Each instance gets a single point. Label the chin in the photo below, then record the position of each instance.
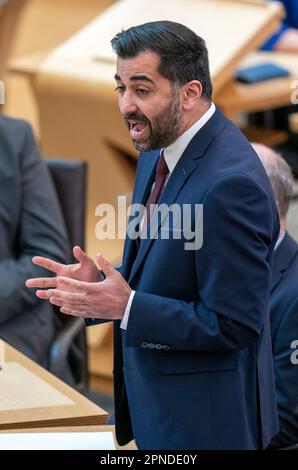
(141, 146)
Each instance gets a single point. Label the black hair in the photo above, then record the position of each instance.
(183, 54)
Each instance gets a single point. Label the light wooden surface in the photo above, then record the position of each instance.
(100, 354)
(269, 137)
(81, 412)
(100, 358)
(43, 25)
(47, 23)
(269, 94)
(9, 17)
(231, 29)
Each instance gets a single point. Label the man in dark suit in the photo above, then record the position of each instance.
(284, 303)
(30, 223)
(193, 362)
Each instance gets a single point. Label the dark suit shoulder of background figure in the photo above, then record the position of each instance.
(284, 328)
(30, 224)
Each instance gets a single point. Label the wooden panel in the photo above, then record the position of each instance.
(275, 93)
(46, 23)
(81, 412)
(231, 29)
(9, 17)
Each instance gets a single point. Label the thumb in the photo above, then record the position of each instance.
(105, 266)
(79, 254)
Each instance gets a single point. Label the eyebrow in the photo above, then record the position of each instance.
(136, 78)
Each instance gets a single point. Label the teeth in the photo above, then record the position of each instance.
(136, 126)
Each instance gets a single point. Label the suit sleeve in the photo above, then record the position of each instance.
(40, 232)
(232, 277)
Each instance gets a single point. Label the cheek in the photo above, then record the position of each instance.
(122, 105)
(152, 112)
(152, 108)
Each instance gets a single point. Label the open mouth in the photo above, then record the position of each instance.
(137, 129)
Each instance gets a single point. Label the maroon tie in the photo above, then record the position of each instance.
(162, 171)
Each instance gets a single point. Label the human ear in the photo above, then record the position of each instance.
(191, 93)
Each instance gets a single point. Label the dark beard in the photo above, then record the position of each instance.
(164, 128)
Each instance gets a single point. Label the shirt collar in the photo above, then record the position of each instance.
(279, 240)
(173, 152)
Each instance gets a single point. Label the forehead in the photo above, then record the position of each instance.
(145, 63)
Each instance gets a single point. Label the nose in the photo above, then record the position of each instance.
(127, 104)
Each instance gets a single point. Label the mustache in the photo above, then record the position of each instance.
(135, 117)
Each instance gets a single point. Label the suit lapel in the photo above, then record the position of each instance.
(184, 168)
(169, 195)
(146, 179)
(282, 259)
(141, 193)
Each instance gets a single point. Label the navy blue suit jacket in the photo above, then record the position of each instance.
(284, 326)
(194, 368)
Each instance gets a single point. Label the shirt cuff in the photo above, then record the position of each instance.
(125, 318)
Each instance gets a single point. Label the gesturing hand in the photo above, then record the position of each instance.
(84, 270)
(76, 291)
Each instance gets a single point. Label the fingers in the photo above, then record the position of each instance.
(39, 282)
(80, 255)
(43, 294)
(68, 306)
(74, 312)
(106, 266)
(47, 264)
(66, 289)
(71, 304)
(72, 285)
(68, 297)
(62, 296)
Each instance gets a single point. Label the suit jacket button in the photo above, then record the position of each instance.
(151, 345)
(158, 346)
(165, 347)
(144, 344)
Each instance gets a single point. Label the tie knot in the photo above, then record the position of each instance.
(162, 167)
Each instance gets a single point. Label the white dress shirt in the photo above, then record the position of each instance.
(172, 154)
(279, 240)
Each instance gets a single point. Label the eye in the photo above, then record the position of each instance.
(119, 88)
(142, 91)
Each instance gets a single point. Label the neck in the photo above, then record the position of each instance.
(195, 115)
(282, 227)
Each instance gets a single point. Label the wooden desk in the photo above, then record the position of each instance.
(250, 21)
(234, 96)
(240, 97)
(81, 412)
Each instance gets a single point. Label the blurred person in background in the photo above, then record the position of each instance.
(286, 38)
(283, 302)
(30, 223)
